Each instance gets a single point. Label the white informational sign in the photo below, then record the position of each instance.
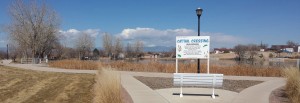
(192, 47)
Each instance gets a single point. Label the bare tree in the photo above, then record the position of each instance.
(173, 51)
(61, 49)
(138, 48)
(69, 53)
(292, 44)
(84, 44)
(240, 50)
(14, 50)
(107, 43)
(263, 46)
(2, 55)
(33, 26)
(58, 51)
(252, 50)
(129, 51)
(118, 46)
(101, 53)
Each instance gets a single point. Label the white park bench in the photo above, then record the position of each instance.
(202, 80)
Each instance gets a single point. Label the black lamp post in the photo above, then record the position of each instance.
(198, 12)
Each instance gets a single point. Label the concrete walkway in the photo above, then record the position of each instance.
(225, 96)
(40, 67)
(141, 93)
(256, 94)
(259, 93)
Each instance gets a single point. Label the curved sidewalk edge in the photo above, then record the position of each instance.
(139, 92)
(259, 93)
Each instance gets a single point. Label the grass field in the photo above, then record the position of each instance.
(26, 86)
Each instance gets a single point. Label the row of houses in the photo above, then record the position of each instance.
(274, 48)
(285, 48)
(222, 50)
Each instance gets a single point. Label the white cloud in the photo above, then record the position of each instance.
(74, 33)
(223, 40)
(141, 33)
(155, 37)
(71, 35)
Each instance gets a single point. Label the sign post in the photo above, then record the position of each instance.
(192, 47)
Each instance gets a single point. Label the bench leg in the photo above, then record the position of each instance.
(181, 92)
(181, 86)
(213, 86)
(213, 94)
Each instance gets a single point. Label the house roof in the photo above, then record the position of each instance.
(279, 47)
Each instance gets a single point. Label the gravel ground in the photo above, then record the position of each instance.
(231, 85)
(279, 96)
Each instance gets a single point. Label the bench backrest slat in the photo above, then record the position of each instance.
(193, 79)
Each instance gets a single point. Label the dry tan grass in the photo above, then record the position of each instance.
(292, 86)
(74, 64)
(238, 70)
(107, 88)
(27, 86)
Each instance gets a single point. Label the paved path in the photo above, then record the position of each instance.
(259, 93)
(256, 94)
(141, 93)
(40, 67)
(225, 96)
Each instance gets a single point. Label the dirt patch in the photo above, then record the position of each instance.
(279, 96)
(17, 85)
(231, 85)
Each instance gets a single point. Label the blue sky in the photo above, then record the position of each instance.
(158, 22)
